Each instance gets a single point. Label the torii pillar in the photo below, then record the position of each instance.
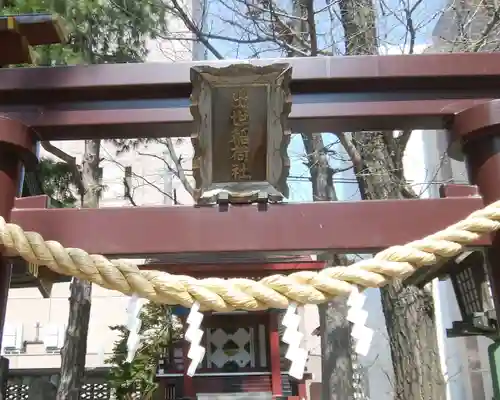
(17, 33)
(16, 148)
(478, 129)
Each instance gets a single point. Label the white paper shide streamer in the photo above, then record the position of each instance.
(293, 337)
(193, 335)
(134, 325)
(361, 334)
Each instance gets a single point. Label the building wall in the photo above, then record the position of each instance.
(34, 319)
(461, 25)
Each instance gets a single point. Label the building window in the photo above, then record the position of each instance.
(230, 349)
(12, 339)
(53, 338)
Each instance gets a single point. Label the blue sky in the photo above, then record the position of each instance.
(392, 32)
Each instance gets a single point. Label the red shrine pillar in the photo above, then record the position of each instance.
(274, 354)
(479, 129)
(16, 144)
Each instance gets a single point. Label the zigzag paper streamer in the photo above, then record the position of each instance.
(361, 334)
(133, 341)
(293, 337)
(134, 325)
(193, 335)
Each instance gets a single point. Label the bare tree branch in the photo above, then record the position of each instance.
(178, 166)
(194, 29)
(128, 193)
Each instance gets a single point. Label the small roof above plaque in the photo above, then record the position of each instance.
(19, 32)
(241, 133)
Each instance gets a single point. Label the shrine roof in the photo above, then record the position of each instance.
(18, 32)
(38, 28)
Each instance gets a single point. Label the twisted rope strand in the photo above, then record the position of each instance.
(275, 291)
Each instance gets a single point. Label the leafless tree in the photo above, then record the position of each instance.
(86, 180)
(291, 28)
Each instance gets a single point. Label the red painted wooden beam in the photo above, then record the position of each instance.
(405, 92)
(241, 269)
(177, 122)
(280, 229)
(41, 201)
(453, 72)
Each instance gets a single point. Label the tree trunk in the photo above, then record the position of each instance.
(74, 350)
(337, 370)
(336, 347)
(408, 310)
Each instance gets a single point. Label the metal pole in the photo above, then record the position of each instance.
(494, 357)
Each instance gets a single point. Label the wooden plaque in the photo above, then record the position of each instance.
(241, 134)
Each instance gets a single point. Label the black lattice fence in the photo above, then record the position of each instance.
(99, 391)
(95, 391)
(17, 391)
(19, 387)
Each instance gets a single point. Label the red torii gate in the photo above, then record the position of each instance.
(454, 91)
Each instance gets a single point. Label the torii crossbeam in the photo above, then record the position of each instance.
(390, 92)
(308, 228)
(329, 94)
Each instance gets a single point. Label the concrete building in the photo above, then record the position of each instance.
(468, 25)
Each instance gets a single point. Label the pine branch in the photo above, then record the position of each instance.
(70, 160)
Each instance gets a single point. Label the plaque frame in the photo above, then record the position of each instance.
(276, 78)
